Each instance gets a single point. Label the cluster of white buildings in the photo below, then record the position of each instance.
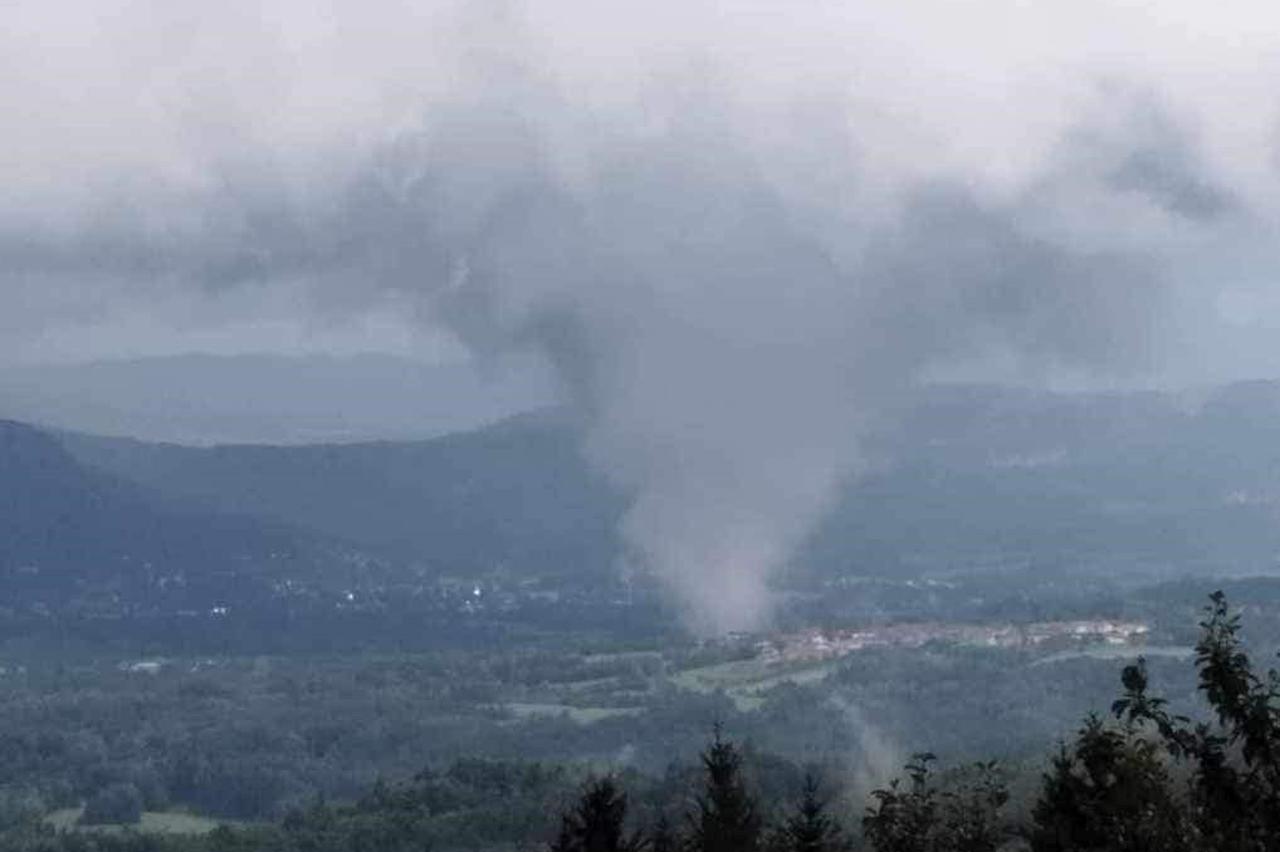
(815, 644)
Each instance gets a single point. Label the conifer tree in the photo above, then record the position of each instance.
(811, 828)
(727, 817)
(597, 823)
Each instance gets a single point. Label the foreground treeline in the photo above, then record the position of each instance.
(1146, 778)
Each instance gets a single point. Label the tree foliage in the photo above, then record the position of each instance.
(727, 817)
(1108, 792)
(811, 827)
(1234, 798)
(925, 816)
(597, 823)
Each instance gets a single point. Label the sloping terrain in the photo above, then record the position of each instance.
(971, 478)
(73, 538)
(515, 496)
(1123, 482)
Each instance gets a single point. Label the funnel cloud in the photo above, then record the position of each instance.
(740, 234)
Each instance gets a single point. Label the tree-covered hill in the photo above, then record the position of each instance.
(968, 478)
(75, 538)
(516, 495)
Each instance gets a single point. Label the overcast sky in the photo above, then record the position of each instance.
(739, 232)
(146, 145)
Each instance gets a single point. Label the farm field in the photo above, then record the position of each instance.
(747, 681)
(152, 822)
(581, 715)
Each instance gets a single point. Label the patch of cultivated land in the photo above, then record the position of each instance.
(581, 715)
(1120, 652)
(745, 681)
(152, 822)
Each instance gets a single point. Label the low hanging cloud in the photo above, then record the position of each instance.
(740, 235)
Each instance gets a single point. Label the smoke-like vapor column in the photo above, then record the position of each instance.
(702, 333)
(740, 235)
(728, 335)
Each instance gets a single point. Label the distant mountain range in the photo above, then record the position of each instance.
(1133, 484)
(206, 399)
(974, 479)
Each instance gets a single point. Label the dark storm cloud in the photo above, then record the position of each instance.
(1154, 156)
(739, 237)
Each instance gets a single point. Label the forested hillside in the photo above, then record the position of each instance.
(1139, 484)
(516, 494)
(78, 539)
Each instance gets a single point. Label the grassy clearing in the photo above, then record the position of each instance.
(588, 685)
(152, 822)
(581, 715)
(725, 676)
(1120, 652)
(746, 681)
(622, 655)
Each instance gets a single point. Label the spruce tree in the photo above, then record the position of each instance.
(727, 817)
(810, 828)
(597, 823)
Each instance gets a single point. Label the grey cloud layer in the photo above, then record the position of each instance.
(734, 272)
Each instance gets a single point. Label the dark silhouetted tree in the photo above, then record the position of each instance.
(1234, 801)
(811, 828)
(663, 836)
(598, 822)
(922, 816)
(565, 839)
(1108, 792)
(727, 817)
(904, 819)
(971, 809)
